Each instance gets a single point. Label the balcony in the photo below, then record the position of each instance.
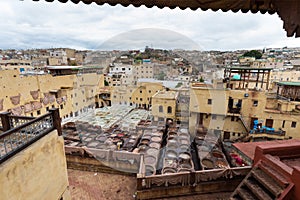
(234, 110)
(269, 133)
(19, 132)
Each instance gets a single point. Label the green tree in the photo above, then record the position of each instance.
(201, 79)
(161, 76)
(178, 85)
(253, 53)
(106, 83)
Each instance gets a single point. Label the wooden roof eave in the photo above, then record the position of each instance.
(288, 10)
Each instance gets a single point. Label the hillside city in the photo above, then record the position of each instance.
(155, 123)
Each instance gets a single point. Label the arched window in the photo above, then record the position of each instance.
(160, 109)
(169, 109)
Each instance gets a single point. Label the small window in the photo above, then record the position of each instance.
(214, 117)
(141, 91)
(149, 91)
(61, 106)
(141, 99)
(239, 134)
(161, 109)
(47, 108)
(209, 101)
(169, 109)
(232, 118)
(294, 124)
(31, 114)
(38, 112)
(255, 103)
(283, 123)
(53, 106)
(233, 134)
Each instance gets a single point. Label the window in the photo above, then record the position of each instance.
(160, 109)
(169, 109)
(61, 106)
(141, 99)
(141, 91)
(255, 103)
(294, 124)
(149, 91)
(47, 108)
(232, 118)
(233, 134)
(214, 117)
(209, 101)
(283, 123)
(38, 112)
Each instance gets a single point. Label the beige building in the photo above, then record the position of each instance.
(136, 95)
(287, 75)
(35, 95)
(21, 65)
(233, 112)
(164, 105)
(144, 71)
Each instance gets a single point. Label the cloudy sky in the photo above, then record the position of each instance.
(28, 24)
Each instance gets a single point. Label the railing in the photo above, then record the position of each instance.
(268, 132)
(245, 123)
(24, 132)
(16, 121)
(234, 110)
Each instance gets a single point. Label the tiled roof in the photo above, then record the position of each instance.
(289, 11)
(224, 5)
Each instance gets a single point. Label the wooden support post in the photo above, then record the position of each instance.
(257, 78)
(56, 120)
(262, 80)
(5, 121)
(268, 79)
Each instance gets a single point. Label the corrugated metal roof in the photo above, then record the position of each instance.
(289, 83)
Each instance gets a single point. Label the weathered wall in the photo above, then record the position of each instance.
(38, 172)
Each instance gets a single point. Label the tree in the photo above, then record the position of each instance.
(106, 83)
(253, 53)
(178, 85)
(161, 76)
(201, 79)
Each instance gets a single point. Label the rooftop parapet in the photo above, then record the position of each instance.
(20, 132)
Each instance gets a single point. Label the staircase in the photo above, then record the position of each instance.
(264, 182)
(244, 123)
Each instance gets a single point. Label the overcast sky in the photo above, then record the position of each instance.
(28, 24)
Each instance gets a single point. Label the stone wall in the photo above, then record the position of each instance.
(38, 172)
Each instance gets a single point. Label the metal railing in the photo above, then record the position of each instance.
(16, 121)
(24, 132)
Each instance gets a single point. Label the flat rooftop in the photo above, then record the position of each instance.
(248, 148)
(166, 95)
(286, 83)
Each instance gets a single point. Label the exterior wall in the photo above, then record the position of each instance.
(285, 76)
(144, 71)
(38, 172)
(168, 99)
(79, 91)
(254, 105)
(139, 95)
